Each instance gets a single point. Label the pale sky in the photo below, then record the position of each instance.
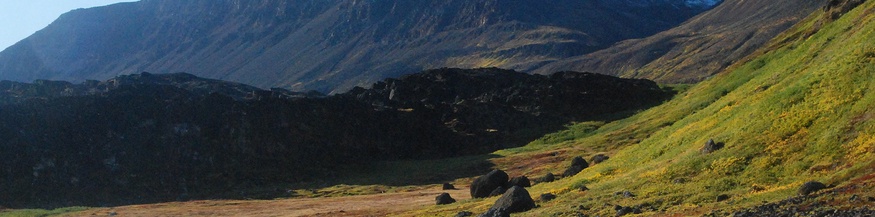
(21, 18)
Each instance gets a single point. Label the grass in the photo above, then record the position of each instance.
(39, 212)
(801, 110)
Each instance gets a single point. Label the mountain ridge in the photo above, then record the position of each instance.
(328, 46)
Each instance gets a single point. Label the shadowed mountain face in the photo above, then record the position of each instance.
(697, 49)
(328, 45)
(146, 138)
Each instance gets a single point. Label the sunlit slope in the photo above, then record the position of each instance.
(801, 109)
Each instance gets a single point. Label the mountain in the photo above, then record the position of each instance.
(697, 49)
(161, 137)
(331, 45)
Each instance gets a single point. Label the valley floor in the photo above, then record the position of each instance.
(365, 205)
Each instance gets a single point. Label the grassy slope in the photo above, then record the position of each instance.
(801, 110)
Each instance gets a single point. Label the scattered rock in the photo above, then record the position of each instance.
(577, 165)
(448, 186)
(444, 199)
(722, 197)
(521, 181)
(598, 158)
(496, 213)
(626, 194)
(498, 191)
(484, 185)
(464, 214)
(516, 199)
(625, 210)
(547, 197)
(811, 187)
(712, 146)
(547, 178)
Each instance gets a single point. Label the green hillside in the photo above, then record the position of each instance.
(799, 110)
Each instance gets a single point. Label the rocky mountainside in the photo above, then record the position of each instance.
(698, 48)
(329, 45)
(155, 137)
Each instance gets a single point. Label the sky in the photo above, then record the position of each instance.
(21, 18)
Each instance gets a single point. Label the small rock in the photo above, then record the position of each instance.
(712, 146)
(464, 214)
(547, 197)
(811, 187)
(626, 194)
(448, 186)
(521, 181)
(583, 188)
(598, 158)
(625, 211)
(870, 199)
(854, 198)
(679, 181)
(722, 197)
(444, 199)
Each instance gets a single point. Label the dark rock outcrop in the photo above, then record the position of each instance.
(521, 181)
(133, 135)
(811, 187)
(516, 199)
(577, 165)
(484, 185)
(444, 199)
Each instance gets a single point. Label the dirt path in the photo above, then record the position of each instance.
(366, 205)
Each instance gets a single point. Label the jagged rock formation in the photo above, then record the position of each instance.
(330, 45)
(146, 138)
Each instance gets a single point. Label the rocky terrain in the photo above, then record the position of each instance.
(148, 137)
(332, 45)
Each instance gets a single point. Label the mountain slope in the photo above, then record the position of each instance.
(698, 48)
(327, 45)
(798, 111)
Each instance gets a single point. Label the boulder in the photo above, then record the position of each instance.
(516, 199)
(598, 158)
(712, 146)
(448, 186)
(577, 165)
(444, 199)
(498, 191)
(484, 185)
(547, 178)
(521, 181)
(811, 187)
(547, 197)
